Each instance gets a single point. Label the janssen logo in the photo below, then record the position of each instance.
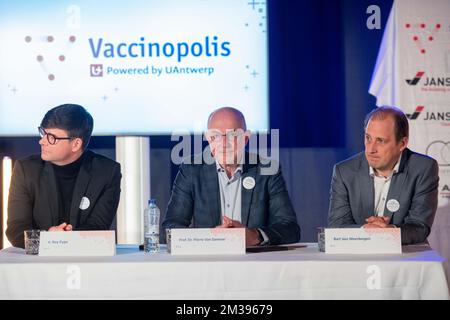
(416, 113)
(437, 82)
(428, 81)
(419, 114)
(416, 79)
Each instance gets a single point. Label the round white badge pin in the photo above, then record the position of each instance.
(393, 205)
(249, 183)
(85, 203)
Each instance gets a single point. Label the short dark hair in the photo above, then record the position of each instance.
(72, 118)
(400, 120)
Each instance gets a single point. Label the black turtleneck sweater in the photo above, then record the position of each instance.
(66, 177)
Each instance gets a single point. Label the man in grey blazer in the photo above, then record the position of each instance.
(388, 185)
(230, 191)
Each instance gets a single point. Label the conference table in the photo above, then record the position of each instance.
(298, 272)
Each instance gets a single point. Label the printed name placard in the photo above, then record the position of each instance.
(207, 241)
(77, 243)
(363, 241)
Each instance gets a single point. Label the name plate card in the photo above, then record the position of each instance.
(205, 241)
(77, 243)
(363, 241)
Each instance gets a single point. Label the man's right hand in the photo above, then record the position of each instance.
(62, 227)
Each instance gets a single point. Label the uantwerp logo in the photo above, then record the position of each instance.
(416, 113)
(416, 79)
(96, 70)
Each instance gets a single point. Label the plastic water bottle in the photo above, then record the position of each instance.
(151, 227)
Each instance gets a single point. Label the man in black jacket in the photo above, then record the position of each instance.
(66, 187)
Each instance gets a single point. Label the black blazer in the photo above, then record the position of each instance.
(196, 198)
(33, 197)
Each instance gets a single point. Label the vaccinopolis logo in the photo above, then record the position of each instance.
(209, 47)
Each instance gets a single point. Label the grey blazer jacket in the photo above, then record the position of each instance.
(195, 201)
(414, 186)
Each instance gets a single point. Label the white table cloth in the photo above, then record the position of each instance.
(299, 273)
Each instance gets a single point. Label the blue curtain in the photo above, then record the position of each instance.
(307, 73)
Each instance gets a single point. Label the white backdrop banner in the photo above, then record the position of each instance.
(413, 73)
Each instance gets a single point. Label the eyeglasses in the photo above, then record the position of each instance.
(51, 138)
(217, 136)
